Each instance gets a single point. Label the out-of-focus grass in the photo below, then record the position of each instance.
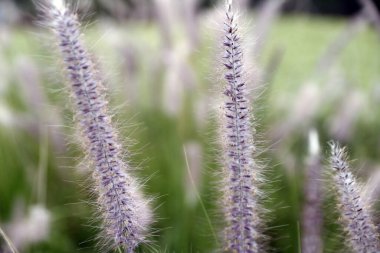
(181, 226)
(305, 39)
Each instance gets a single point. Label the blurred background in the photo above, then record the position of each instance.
(315, 64)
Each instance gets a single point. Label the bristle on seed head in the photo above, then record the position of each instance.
(58, 4)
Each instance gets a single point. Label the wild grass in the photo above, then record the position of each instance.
(183, 227)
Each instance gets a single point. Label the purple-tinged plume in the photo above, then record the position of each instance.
(125, 212)
(356, 218)
(312, 210)
(241, 174)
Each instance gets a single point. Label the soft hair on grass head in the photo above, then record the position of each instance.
(241, 172)
(125, 212)
(357, 221)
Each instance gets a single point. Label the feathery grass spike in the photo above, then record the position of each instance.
(358, 223)
(241, 172)
(125, 212)
(312, 210)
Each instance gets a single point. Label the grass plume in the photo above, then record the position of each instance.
(312, 210)
(125, 212)
(356, 218)
(241, 173)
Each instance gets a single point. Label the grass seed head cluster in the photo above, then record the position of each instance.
(356, 218)
(241, 173)
(126, 213)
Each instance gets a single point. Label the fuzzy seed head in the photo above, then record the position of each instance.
(125, 212)
(312, 209)
(358, 222)
(242, 174)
